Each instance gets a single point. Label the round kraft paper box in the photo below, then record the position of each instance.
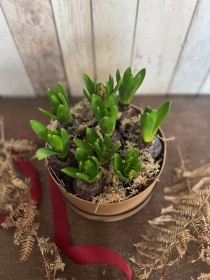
(113, 211)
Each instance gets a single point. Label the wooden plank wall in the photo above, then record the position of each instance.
(32, 25)
(13, 75)
(42, 42)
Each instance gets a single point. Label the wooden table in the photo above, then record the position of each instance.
(188, 121)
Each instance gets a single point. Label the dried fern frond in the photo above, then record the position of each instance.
(5, 193)
(204, 276)
(15, 199)
(28, 240)
(19, 183)
(199, 172)
(20, 146)
(186, 219)
(51, 256)
(5, 169)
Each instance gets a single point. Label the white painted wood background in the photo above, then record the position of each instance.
(43, 41)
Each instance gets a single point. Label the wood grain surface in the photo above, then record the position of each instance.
(188, 121)
(159, 37)
(113, 24)
(61, 40)
(194, 65)
(32, 25)
(14, 80)
(73, 22)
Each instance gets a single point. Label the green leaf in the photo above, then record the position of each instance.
(91, 168)
(64, 137)
(154, 115)
(126, 74)
(64, 102)
(63, 114)
(98, 114)
(54, 102)
(81, 155)
(55, 131)
(93, 158)
(83, 177)
(83, 145)
(115, 149)
(107, 141)
(39, 129)
(119, 174)
(50, 93)
(114, 114)
(91, 135)
(98, 151)
(97, 177)
(89, 84)
(45, 152)
(162, 113)
(56, 143)
(112, 101)
(60, 89)
(148, 109)
(137, 167)
(126, 166)
(107, 125)
(117, 163)
(142, 72)
(86, 95)
(147, 126)
(96, 102)
(106, 112)
(117, 86)
(129, 94)
(118, 78)
(126, 87)
(108, 89)
(111, 84)
(70, 171)
(49, 114)
(132, 154)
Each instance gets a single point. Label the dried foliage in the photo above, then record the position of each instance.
(204, 276)
(52, 259)
(186, 219)
(16, 201)
(24, 147)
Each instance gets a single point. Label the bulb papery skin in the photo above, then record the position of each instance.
(87, 190)
(57, 163)
(154, 148)
(116, 136)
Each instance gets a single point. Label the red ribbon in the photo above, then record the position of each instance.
(82, 255)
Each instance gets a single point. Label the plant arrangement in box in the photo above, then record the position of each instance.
(103, 150)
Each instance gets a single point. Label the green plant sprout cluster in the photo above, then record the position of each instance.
(129, 85)
(106, 114)
(103, 149)
(88, 169)
(94, 150)
(60, 108)
(152, 119)
(99, 89)
(58, 140)
(129, 168)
